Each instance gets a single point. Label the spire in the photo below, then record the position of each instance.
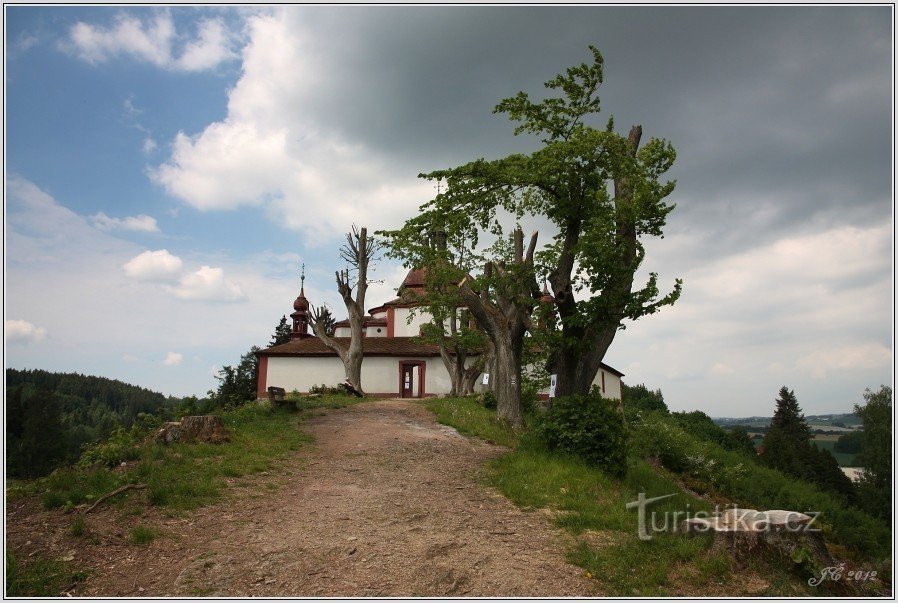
(300, 315)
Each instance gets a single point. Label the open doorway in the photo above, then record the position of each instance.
(411, 378)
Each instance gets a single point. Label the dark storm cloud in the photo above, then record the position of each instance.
(780, 115)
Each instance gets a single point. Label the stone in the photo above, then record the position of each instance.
(202, 428)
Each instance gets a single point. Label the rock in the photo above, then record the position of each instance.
(203, 428)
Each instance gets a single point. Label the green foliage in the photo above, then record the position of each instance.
(588, 426)
(50, 417)
(36, 442)
(702, 426)
(237, 385)
(709, 468)
(487, 399)
(850, 443)
(640, 399)
(282, 333)
(121, 445)
(568, 182)
(876, 455)
(788, 418)
(788, 448)
(327, 390)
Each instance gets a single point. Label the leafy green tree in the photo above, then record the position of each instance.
(237, 385)
(602, 193)
(639, 398)
(850, 443)
(42, 443)
(702, 426)
(876, 456)
(281, 333)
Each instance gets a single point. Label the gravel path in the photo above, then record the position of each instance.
(386, 503)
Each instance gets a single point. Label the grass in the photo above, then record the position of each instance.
(38, 577)
(591, 507)
(185, 476)
(470, 418)
(142, 535)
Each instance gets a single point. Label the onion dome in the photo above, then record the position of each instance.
(301, 304)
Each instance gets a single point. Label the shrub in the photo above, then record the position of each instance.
(327, 390)
(590, 427)
(488, 399)
(122, 445)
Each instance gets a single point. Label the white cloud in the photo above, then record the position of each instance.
(92, 306)
(270, 152)
(213, 46)
(173, 359)
(141, 223)
(208, 284)
(154, 266)
(149, 145)
(22, 331)
(152, 41)
(822, 361)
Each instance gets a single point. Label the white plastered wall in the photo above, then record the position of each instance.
(380, 374)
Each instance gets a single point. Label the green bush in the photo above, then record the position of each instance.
(488, 399)
(122, 445)
(590, 427)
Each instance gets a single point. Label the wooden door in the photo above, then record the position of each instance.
(407, 377)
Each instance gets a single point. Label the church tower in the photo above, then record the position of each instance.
(300, 313)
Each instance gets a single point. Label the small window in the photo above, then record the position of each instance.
(378, 330)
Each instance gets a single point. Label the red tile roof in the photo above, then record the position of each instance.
(371, 346)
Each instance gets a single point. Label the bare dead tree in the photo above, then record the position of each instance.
(358, 253)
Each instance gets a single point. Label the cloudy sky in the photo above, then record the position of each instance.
(168, 170)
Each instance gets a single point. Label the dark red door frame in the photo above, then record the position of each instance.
(422, 367)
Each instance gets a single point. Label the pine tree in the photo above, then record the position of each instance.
(788, 448)
(281, 333)
(788, 417)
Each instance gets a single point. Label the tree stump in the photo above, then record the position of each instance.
(202, 428)
(742, 533)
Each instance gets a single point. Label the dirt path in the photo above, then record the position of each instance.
(386, 503)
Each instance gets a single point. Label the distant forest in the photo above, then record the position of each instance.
(51, 416)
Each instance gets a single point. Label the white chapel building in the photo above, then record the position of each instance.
(397, 364)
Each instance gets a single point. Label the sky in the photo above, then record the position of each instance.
(169, 169)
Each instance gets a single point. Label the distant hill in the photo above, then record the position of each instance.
(830, 422)
(51, 416)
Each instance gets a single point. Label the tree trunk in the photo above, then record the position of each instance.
(358, 252)
(505, 322)
(507, 384)
(577, 360)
